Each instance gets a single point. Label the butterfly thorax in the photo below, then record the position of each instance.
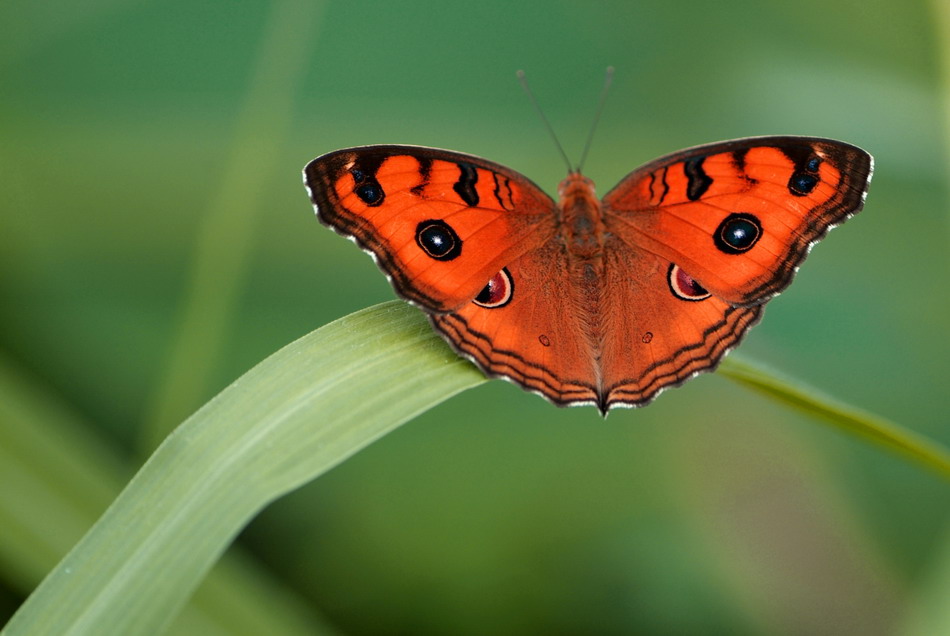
(581, 223)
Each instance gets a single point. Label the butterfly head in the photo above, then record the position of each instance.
(576, 186)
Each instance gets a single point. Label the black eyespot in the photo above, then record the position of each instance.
(438, 240)
(367, 188)
(805, 178)
(737, 233)
(370, 193)
(802, 183)
(498, 293)
(684, 287)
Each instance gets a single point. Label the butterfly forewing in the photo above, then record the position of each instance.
(740, 216)
(439, 223)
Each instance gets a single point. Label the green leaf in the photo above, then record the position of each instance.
(294, 416)
(848, 418)
(59, 477)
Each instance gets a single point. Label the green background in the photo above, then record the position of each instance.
(156, 242)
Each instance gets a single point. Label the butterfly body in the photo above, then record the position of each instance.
(587, 300)
(580, 220)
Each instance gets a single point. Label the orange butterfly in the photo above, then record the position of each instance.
(590, 301)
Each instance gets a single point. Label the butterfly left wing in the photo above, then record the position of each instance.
(740, 216)
(440, 224)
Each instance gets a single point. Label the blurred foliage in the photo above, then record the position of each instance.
(155, 242)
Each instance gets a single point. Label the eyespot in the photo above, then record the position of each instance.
(684, 287)
(802, 183)
(370, 193)
(438, 240)
(805, 178)
(367, 188)
(737, 233)
(498, 293)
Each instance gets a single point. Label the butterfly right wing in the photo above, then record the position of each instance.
(740, 216)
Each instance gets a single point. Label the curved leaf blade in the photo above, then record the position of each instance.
(294, 416)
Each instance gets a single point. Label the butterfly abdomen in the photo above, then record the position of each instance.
(583, 231)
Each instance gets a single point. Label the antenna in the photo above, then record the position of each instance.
(524, 84)
(608, 79)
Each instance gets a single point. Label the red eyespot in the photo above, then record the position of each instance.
(498, 291)
(684, 287)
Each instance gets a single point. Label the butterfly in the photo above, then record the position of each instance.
(585, 300)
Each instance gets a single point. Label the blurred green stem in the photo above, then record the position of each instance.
(226, 229)
(941, 10)
(845, 417)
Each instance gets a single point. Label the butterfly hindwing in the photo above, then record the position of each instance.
(617, 343)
